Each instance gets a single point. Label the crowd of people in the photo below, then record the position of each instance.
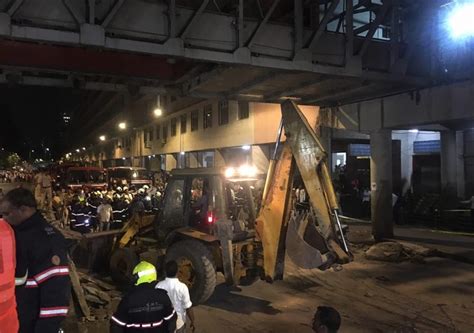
(85, 209)
(15, 176)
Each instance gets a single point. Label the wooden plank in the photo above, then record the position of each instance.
(78, 291)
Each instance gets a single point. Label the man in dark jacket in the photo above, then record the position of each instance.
(42, 274)
(144, 308)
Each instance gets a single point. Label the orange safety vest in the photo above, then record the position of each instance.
(8, 314)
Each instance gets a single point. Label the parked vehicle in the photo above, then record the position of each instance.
(128, 176)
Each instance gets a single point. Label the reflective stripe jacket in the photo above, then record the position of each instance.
(42, 275)
(8, 315)
(144, 309)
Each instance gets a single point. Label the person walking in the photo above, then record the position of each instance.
(179, 295)
(144, 308)
(42, 273)
(8, 314)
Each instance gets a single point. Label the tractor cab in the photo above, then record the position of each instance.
(197, 198)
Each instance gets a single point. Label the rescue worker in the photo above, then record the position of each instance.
(144, 308)
(42, 274)
(81, 216)
(138, 203)
(120, 211)
(8, 314)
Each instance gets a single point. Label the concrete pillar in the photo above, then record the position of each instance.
(460, 173)
(381, 183)
(448, 163)
(259, 159)
(219, 160)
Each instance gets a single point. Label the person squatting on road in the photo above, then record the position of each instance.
(144, 308)
(42, 274)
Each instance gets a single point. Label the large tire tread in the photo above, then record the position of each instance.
(204, 266)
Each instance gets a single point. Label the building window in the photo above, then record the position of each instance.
(243, 110)
(173, 127)
(194, 120)
(158, 132)
(150, 133)
(207, 116)
(183, 121)
(223, 112)
(165, 131)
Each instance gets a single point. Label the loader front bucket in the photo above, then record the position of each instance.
(304, 244)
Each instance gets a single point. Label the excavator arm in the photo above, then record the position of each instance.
(310, 240)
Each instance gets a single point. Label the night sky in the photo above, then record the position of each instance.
(32, 119)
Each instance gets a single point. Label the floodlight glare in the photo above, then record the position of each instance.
(460, 22)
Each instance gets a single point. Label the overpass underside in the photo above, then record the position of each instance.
(316, 52)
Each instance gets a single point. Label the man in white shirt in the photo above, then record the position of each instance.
(104, 213)
(179, 295)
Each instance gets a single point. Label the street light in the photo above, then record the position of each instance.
(102, 138)
(84, 148)
(122, 125)
(460, 22)
(78, 151)
(157, 112)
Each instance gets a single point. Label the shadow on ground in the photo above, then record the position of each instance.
(229, 298)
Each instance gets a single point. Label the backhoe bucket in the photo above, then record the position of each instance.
(304, 244)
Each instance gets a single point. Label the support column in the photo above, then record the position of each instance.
(448, 163)
(460, 173)
(381, 183)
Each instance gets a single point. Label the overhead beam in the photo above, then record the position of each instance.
(290, 92)
(395, 33)
(252, 83)
(91, 11)
(172, 18)
(14, 7)
(262, 24)
(298, 21)
(111, 14)
(90, 85)
(349, 17)
(240, 25)
(338, 95)
(194, 19)
(194, 83)
(74, 13)
(382, 13)
(313, 40)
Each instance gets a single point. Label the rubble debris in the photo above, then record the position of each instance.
(399, 251)
(77, 290)
(385, 251)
